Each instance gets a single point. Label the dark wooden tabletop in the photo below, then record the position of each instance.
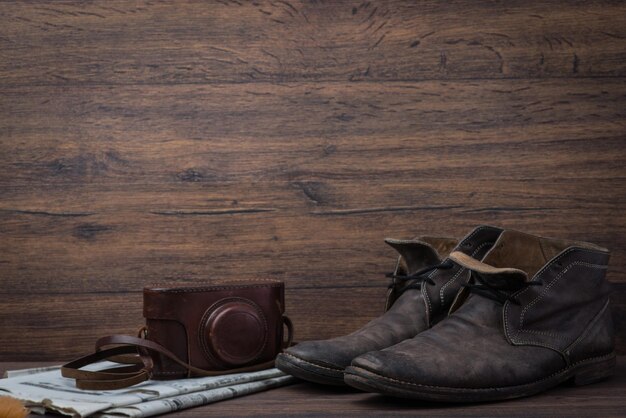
(603, 399)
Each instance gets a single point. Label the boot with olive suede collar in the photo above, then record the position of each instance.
(423, 286)
(535, 314)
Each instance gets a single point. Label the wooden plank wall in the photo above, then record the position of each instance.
(145, 141)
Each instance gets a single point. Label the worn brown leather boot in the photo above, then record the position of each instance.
(535, 314)
(423, 287)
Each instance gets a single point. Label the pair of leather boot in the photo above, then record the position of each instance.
(500, 314)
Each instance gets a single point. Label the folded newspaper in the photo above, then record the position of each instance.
(44, 389)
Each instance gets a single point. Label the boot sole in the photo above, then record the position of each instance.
(582, 373)
(306, 370)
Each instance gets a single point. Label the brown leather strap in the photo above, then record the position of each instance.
(108, 379)
(289, 326)
(135, 351)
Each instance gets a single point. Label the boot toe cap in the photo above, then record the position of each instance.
(320, 352)
(388, 364)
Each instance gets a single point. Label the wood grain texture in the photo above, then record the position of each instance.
(191, 197)
(242, 41)
(145, 142)
(603, 399)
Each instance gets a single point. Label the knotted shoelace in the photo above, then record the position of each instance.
(418, 278)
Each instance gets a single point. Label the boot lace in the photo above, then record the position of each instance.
(500, 294)
(418, 278)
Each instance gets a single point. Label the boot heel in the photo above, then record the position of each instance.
(595, 371)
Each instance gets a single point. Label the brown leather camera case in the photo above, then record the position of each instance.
(193, 330)
(214, 327)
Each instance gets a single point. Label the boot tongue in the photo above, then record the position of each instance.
(504, 278)
(415, 254)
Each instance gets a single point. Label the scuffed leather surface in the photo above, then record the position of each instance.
(405, 319)
(439, 297)
(467, 350)
(485, 344)
(414, 254)
(412, 313)
(597, 340)
(573, 291)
